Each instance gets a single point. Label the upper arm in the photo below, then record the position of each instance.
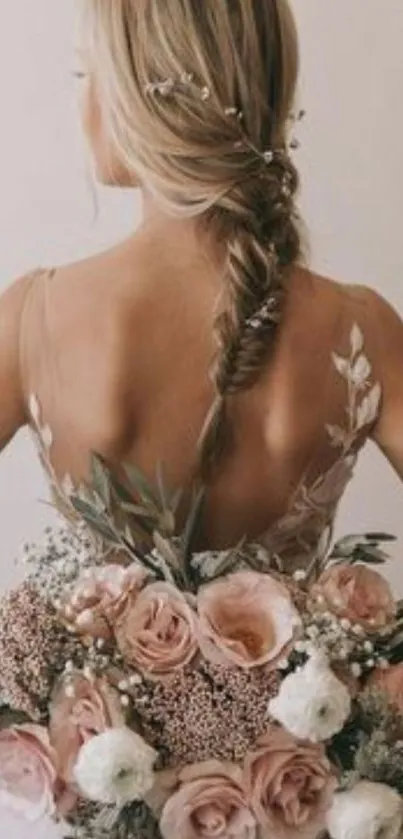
(12, 401)
(386, 338)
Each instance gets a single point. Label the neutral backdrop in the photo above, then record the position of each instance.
(352, 167)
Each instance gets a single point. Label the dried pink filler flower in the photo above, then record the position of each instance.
(206, 711)
(33, 649)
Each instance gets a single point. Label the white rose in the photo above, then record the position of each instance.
(115, 767)
(368, 811)
(312, 704)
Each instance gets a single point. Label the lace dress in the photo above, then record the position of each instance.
(305, 530)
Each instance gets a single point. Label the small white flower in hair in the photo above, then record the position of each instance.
(268, 156)
(186, 78)
(164, 88)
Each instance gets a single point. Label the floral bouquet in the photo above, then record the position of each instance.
(151, 691)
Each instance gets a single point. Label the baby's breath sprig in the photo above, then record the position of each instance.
(344, 643)
(185, 83)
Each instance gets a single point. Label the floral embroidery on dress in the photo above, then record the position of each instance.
(43, 438)
(305, 532)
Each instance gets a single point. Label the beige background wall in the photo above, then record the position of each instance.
(352, 167)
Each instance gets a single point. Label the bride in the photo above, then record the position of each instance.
(204, 341)
(208, 309)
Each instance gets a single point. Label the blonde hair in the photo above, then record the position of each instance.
(186, 150)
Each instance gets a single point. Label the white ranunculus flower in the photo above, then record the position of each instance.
(368, 811)
(312, 704)
(115, 767)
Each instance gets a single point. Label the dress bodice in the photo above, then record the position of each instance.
(304, 531)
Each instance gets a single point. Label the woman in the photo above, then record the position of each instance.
(203, 341)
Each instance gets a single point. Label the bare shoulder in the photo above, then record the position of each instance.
(380, 321)
(315, 308)
(106, 268)
(328, 301)
(325, 297)
(101, 293)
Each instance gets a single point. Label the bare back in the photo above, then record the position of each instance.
(117, 349)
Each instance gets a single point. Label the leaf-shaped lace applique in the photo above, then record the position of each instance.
(329, 487)
(314, 504)
(367, 411)
(356, 339)
(363, 397)
(44, 440)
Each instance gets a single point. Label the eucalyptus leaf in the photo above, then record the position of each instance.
(85, 493)
(161, 486)
(93, 518)
(192, 523)
(140, 533)
(137, 510)
(367, 559)
(141, 485)
(120, 491)
(167, 551)
(84, 507)
(166, 522)
(372, 553)
(176, 500)
(101, 480)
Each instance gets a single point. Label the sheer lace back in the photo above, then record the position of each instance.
(306, 528)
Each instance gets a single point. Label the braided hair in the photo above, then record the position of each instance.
(258, 221)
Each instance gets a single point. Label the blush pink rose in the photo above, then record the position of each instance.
(355, 592)
(389, 681)
(157, 632)
(99, 597)
(81, 709)
(28, 773)
(290, 785)
(211, 803)
(246, 619)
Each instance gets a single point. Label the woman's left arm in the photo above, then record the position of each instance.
(12, 403)
(386, 339)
